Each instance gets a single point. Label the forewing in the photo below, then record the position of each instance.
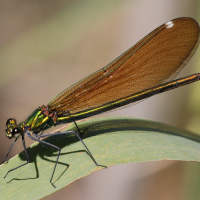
(154, 60)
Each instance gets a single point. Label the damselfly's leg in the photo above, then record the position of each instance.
(89, 151)
(67, 132)
(24, 145)
(60, 133)
(81, 133)
(9, 150)
(51, 145)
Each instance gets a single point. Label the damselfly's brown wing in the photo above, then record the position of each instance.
(154, 60)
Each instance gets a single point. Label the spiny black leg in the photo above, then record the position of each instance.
(67, 132)
(81, 133)
(51, 145)
(56, 133)
(24, 145)
(10, 150)
(89, 151)
(23, 141)
(60, 133)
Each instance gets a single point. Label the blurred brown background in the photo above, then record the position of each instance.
(45, 46)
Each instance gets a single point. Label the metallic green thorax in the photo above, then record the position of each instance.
(37, 121)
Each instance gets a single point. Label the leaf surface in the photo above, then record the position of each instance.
(112, 141)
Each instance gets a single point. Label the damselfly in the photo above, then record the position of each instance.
(146, 69)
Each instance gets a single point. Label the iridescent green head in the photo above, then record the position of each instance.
(13, 130)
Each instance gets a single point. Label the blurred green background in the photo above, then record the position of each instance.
(46, 46)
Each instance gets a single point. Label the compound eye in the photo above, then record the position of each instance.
(15, 130)
(10, 121)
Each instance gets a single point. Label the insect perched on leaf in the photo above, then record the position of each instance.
(146, 69)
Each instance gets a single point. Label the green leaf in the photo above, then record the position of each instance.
(112, 141)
